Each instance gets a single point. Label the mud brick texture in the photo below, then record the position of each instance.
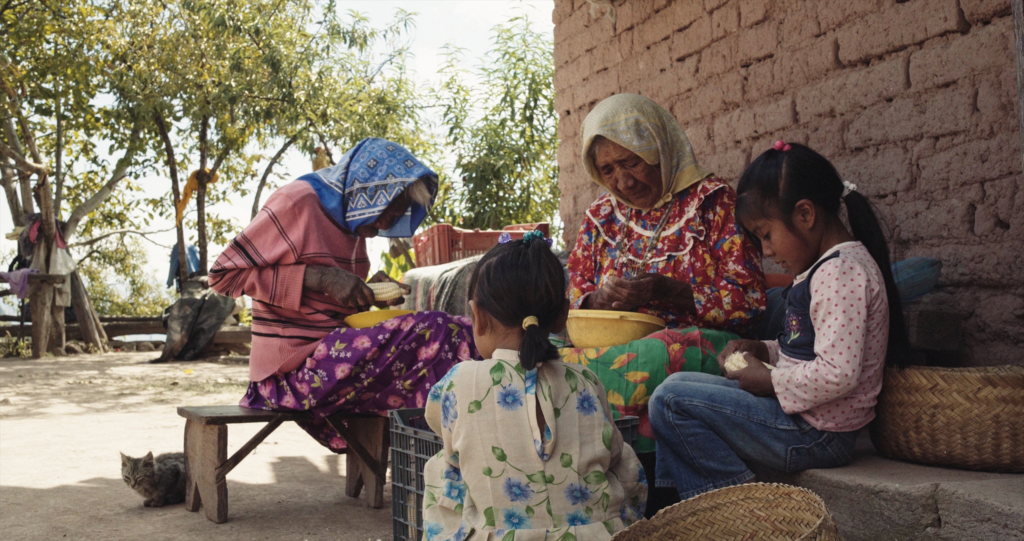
(914, 101)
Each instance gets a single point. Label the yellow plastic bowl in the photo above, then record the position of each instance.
(363, 320)
(606, 328)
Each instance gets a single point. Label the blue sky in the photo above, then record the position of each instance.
(464, 23)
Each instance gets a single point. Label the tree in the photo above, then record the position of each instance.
(50, 79)
(356, 87)
(505, 157)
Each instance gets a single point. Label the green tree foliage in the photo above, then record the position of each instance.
(502, 133)
(133, 293)
(58, 114)
(237, 83)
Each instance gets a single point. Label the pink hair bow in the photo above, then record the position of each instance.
(781, 146)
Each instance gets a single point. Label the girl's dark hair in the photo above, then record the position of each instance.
(777, 180)
(519, 279)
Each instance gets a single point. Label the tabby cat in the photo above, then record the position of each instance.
(160, 480)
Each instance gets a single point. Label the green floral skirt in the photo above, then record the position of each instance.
(632, 371)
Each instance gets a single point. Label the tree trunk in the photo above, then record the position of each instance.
(58, 176)
(39, 301)
(50, 332)
(202, 179)
(24, 178)
(1018, 41)
(8, 178)
(88, 322)
(173, 166)
(201, 221)
(266, 174)
(57, 337)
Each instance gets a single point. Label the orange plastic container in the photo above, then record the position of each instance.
(443, 243)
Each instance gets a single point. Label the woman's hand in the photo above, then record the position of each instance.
(756, 379)
(381, 276)
(339, 284)
(628, 295)
(755, 348)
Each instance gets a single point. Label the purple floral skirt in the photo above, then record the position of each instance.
(392, 365)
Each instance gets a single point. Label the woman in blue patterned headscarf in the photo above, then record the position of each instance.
(376, 179)
(303, 261)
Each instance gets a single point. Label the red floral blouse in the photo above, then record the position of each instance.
(700, 244)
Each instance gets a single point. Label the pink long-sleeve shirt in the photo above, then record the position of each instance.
(849, 310)
(267, 261)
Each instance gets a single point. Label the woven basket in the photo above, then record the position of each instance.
(752, 511)
(970, 418)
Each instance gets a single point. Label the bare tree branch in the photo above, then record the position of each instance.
(119, 173)
(58, 167)
(26, 130)
(13, 200)
(21, 163)
(266, 173)
(87, 256)
(24, 177)
(173, 166)
(143, 234)
(220, 160)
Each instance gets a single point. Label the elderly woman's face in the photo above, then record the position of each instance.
(391, 214)
(627, 175)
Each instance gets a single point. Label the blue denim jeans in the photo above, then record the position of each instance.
(706, 428)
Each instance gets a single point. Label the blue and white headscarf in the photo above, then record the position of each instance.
(366, 179)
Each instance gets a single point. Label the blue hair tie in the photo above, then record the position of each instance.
(535, 234)
(505, 238)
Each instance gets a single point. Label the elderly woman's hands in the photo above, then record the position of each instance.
(345, 287)
(381, 276)
(629, 294)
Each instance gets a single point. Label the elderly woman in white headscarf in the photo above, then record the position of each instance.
(662, 241)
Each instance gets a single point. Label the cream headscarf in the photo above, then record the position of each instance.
(649, 131)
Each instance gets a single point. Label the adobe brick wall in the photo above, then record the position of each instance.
(914, 101)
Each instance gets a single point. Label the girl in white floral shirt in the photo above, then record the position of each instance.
(530, 449)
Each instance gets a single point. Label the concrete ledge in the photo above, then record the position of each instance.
(876, 499)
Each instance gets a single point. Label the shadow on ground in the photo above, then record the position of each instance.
(63, 421)
(103, 508)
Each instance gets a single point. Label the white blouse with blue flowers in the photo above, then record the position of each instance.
(499, 478)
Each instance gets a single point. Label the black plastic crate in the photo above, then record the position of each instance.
(413, 443)
(629, 427)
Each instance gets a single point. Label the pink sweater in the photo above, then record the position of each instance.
(837, 391)
(267, 261)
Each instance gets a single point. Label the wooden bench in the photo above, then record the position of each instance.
(207, 463)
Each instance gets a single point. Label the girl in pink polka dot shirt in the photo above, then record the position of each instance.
(843, 321)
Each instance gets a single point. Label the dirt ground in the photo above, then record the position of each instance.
(64, 420)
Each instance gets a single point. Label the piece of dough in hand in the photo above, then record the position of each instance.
(736, 362)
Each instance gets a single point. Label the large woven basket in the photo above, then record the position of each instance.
(753, 511)
(970, 418)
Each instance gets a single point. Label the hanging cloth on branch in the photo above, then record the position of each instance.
(191, 186)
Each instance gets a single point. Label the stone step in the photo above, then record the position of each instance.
(877, 499)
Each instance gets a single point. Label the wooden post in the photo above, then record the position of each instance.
(368, 440)
(57, 335)
(92, 331)
(39, 302)
(206, 448)
(1018, 42)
